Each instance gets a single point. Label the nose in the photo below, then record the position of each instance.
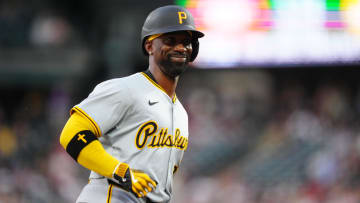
(180, 47)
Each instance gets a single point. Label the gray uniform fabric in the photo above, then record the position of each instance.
(140, 125)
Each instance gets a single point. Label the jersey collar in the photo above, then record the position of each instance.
(151, 78)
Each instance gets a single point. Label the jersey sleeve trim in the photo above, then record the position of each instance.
(157, 85)
(97, 128)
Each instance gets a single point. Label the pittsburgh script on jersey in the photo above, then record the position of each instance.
(148, 132)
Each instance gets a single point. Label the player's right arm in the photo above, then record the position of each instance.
(80, 141)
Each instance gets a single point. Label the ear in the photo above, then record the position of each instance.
(148, 47)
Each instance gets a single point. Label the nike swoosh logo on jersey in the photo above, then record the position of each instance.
(152, 103)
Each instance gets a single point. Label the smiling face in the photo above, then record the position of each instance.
(171, 52)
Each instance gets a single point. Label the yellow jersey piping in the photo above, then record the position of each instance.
(158, 86)
(109, 194)
(77, 109)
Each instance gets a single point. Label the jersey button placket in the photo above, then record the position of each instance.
(170, 166)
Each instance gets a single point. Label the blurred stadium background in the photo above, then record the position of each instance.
(274, 99)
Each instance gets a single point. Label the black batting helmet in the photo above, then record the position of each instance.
(171, 18)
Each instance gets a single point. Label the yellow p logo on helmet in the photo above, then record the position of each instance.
(182, 15)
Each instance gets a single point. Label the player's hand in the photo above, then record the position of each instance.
(141, 183)
(134, 181)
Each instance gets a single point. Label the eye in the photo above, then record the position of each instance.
(186, 42)
(169, 41)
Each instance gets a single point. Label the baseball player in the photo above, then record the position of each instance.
(131, 132)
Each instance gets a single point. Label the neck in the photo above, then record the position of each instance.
(167, 83)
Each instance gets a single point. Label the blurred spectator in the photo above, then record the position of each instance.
(50, 30)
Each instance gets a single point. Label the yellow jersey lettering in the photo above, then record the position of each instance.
(145, 131)
(161, 143)
(182, 15)
(185, 144)
(161, 137)
(179, 141)
(168, 141)
(156, 143)
(181, 144)
(177, 135)
(152, 143)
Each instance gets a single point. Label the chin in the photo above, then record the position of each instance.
(173, 70)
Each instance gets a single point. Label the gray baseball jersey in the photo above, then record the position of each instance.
(140, 125)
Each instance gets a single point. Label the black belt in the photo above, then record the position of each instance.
(118, 185)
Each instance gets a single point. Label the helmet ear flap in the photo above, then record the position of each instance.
(195, 49)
